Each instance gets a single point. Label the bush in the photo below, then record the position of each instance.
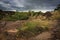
(1, 17)
(18, 16)
(56, 15)
(21, 16)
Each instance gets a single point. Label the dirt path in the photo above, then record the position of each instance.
(43, 36)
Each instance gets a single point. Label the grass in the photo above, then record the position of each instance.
(56, 15)
(33, 28)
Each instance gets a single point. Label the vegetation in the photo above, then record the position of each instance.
(32, 28)
(18, 16)
(31, 23)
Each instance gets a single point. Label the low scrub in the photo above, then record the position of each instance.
(30, 29)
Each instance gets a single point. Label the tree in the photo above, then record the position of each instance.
(58, 7)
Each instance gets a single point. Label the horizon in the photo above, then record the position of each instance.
(30, 10)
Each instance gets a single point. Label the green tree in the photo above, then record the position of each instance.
(58, 7)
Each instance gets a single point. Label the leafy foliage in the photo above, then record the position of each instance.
(18, 16)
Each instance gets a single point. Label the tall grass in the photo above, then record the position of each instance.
(31, 28)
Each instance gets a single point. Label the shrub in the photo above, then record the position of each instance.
(1, 17)
(21, 16)
(56, 15)
(18, 16)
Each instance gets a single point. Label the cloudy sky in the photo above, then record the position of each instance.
(23, 5)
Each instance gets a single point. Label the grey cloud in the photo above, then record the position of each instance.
(42, 3)
(28, 4)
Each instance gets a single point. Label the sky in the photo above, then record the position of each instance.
(26, 5)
